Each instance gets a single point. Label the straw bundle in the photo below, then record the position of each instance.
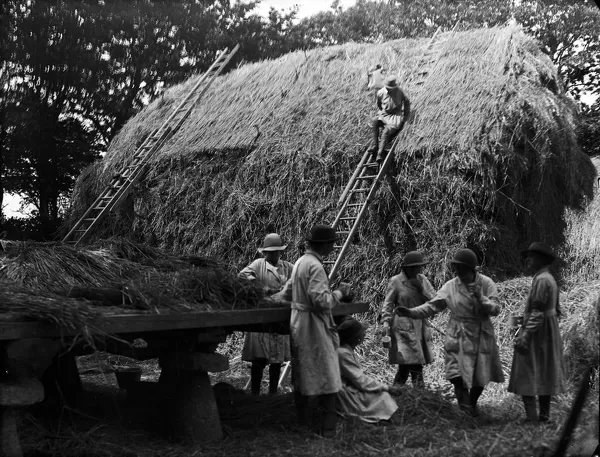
(489, 160)
(114, 275)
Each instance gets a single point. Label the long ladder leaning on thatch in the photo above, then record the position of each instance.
(120, 185)
(367, 176)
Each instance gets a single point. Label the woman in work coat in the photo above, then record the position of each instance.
(361, 395)
(313, 335)
(410, 347)
(264, 349)
(538, 365)
(471, 354)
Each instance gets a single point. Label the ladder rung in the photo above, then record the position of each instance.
(367, 177)
(354, 205)
(362, 189)
(329, 262)
(371, 164)
(347, 218)
(81, 230)
(342, 232)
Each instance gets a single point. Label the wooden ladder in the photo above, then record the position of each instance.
(367, 176)
(120, 185)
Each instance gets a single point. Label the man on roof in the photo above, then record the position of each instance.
(393, 112)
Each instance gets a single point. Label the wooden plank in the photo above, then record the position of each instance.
(135, 323)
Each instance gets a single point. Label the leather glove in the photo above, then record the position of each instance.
(344, 288)
(522, 343)
(385, 328)
(402, 311)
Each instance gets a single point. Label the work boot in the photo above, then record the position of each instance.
(274, 373)
(474, 395)
(530, 409)
(462, 396)
(302, 408)
(544, 402)
(375, 145)
(386, 137)
(328, 415)
(256, 373)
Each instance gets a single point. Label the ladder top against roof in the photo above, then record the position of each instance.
(364, 182)
(121, 184)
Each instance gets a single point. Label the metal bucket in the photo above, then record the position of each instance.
(386, 341)
(514, 321)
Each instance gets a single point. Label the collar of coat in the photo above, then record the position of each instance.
(273, 268)
(462, 287)
(545, 269)
(313, 253)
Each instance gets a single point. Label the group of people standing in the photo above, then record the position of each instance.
(325, 366)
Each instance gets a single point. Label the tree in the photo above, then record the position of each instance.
(80, 69)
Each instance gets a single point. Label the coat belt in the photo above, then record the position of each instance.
(548, 313)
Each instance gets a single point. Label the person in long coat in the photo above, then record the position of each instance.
(264, 349)
(538, 367)
(472, 358)
(361, 396)
(410, 347)
(313, 334)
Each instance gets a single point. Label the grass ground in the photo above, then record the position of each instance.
(105, 424)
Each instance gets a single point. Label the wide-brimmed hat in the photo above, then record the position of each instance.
(540, 248)
(350, 328)
(272, 242)
(321, 234)
(465, 257)
(391, 83)
(413, 259)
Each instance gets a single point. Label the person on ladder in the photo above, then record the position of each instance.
(264, 349)
(393, 112)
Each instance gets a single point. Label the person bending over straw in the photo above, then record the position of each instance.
(410, 347)
(393, 112)
(361, 396)
(538, 366)
(471, 354)
(314, 339)
(264, 349)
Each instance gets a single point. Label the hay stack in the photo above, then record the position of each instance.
(490, 159)
(582, 247)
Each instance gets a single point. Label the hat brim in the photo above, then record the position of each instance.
(391, 87)
(329, 240)
(273, 248)
(458, 262)
(551, 255)
(414, 264)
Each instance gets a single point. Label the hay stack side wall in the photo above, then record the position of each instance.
(489, 159)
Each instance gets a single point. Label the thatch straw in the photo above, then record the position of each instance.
(582, 248)
(490, 159)
(42, 275)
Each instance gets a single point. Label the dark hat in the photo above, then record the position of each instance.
(413, 259)
(322, 234)
(540, 248)
(272, 242)
(390, 82)
(465, 257)
(350, 328)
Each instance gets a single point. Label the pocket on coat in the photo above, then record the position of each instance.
(487, 339)
(403, 324)
(451, 344)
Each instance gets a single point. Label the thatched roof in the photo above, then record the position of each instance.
(489, 160)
